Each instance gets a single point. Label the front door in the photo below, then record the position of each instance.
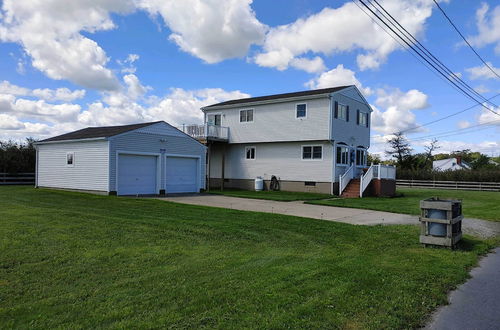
(213, 121)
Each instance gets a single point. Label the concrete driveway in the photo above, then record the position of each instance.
(476, 227)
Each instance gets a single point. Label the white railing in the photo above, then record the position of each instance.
(385, 172)
(345, 178)
(365, 180)
(207, 131)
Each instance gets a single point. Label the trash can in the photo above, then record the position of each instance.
(259, 183)
(441, 221)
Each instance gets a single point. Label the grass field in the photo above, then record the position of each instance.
(283, 196)
(475, 204)
(70, 260)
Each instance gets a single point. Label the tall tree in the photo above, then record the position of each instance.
(429, 149)
(399, 148)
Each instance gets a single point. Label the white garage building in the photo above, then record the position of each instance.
(139, 159)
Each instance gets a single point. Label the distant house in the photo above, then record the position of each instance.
(450, 164)
(139, 159)
(314, 141)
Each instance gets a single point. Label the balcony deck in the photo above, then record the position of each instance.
(206, 132)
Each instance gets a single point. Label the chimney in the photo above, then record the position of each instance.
(459, 160)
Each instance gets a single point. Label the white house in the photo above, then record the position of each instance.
(140, 159)
(450, 164)
(310, 140)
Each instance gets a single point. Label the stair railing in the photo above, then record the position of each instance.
(365, 180)
(345, 178)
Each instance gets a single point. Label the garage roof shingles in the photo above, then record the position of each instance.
(98, 132)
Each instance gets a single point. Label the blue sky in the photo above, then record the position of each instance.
(66, 66)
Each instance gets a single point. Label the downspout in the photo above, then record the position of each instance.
(330, 134)
(36, 167)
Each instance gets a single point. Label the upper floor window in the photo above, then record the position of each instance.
(70, 159)
(301, 110)
(246, 116)
(250, 152)
(362, 118)
(360, 157)
(341, 111)
(342, 155)
(312, 152)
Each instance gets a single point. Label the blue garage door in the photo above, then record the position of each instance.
(181, 175)
(136, 175)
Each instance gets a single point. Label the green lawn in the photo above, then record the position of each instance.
(283, 196)
(70, 260)
(475, 204)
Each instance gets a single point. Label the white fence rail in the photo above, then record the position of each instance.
(365, 180)
(384, 172)
(458, 185)
(206, 131)
(345, 178)
(18, 178)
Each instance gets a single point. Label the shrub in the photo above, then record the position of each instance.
(481, 175)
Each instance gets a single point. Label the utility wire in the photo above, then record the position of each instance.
(467, 42)
(425, 51)
(439, 70)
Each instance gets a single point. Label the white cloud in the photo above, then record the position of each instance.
(481, 89)
(59, 94)
(7, 88)
(483, 72)
(398, 115)
(213, 30)
(49, 32)
(314, 65)
(487, 116)
(463, 124)
(128, 63)
(339, 76)
(134, 87)
(488, 26)
(343, 29)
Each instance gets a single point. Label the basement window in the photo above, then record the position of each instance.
(310, 183)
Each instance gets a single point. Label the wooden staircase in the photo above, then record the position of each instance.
(352, 189)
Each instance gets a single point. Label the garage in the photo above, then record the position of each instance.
(137, 174)
(182, 174)
(137, 159)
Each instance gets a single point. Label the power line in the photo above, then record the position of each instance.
(443, 118)
(426, 58)
(424, 52)
(467, 42)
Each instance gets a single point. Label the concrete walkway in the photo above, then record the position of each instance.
(476, 303)
(476, 227)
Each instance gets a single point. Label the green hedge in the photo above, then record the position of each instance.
(483, 175)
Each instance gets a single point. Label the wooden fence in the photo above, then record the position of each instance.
(458, 185)
(18, 178)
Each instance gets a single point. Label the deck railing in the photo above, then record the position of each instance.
(365, 180)
(345, 178)
(206, 131)
(385, 172)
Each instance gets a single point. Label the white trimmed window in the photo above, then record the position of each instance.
(301, 110)
(246, 116)
(342, 114)
(312, 152)
(250, 152)
(342, 155)
(70, 159)
(363, 119)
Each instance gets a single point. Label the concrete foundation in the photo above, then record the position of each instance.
(299, 186)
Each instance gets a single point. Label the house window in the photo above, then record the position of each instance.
(342, 114)
(301, 110)
(246, 116)
(342, 155)
(360, 157)
(70, 159)
(250, 152)
(312, 152)
(362, 119)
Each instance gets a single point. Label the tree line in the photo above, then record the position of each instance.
(418, 166)
(17, 157)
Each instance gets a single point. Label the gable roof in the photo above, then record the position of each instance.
(278, 96)
(98, 132)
